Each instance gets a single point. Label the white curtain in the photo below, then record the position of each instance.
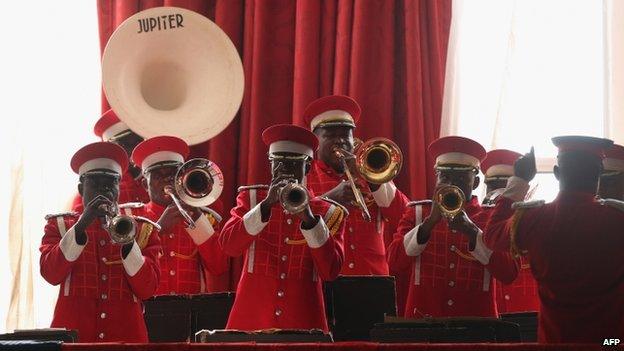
(614, 61)
(522, 71)
(50, 90)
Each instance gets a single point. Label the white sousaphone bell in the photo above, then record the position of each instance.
(172, 71)
(182, 77)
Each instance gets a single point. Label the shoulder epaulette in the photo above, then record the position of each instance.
(251, 187)
(71, 214)
(131, 205)
(336, 203)
(491, 197)
(528, 204)
(212, 213)
(617, 204)
(146, 220)
(419, 202)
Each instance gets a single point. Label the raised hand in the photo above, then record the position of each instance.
(99, 207)
(525, 167)
(341, 193)
(169, 218)
(277, 183)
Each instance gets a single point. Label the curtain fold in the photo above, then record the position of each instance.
(20, 313)
(389, 55)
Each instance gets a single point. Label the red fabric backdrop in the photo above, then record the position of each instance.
(342, 346)
(387, 54)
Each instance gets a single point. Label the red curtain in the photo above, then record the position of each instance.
(387, 54)
(342, 346)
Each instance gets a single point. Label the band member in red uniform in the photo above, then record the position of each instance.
(288, 253)
(189, 253)
(611, 184)
(101, 283)
(573, 244)
(333, 119)
(109, 128)
(451, 267)
(521, 295)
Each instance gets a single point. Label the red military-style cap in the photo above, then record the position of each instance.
(614, 159)
(333, 110)
(591, 145)
(161, 151)
(100, 157)
(109, 126)
(456, 152)
(499, 163)
(290, 138)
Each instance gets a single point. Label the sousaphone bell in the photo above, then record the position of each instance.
(182, 78)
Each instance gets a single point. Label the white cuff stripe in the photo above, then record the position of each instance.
(385, 194)
(317, 236)
(203, 230)
(410, 242)
(70, 248)
(253, 221)
(481, 252)
(516, 189)
(134, 261)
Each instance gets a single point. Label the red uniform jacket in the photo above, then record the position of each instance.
(188, 254)
(280, 286)
(574, 247)
(130, 190)
(521, 294)
(446, 279)
(365, 250)
(100, 294)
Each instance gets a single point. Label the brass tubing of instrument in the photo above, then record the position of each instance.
(359, 199)
(178, 204)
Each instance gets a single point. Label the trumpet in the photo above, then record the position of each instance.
(294, 197)
(197, 183)
(121, 228)
(451, 200)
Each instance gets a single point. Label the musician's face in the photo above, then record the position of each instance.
(289, 167)
(155, 182)
(92, 185)
(128, 142)
(611, 186)
(467, 181)
(494, 184)
(331, 137)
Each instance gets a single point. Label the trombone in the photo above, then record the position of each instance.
(377, 161)
(197, 183)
